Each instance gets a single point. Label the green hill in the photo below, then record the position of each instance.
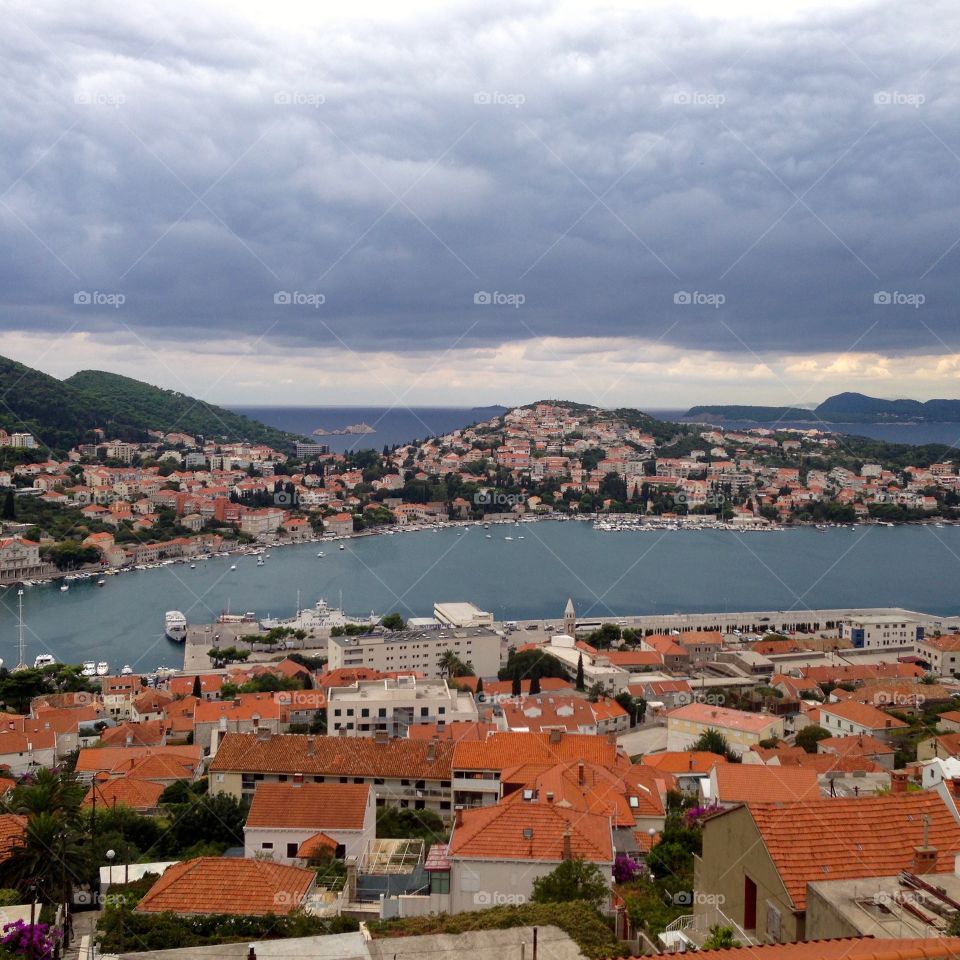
(61, 413)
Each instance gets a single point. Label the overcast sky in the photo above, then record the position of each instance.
(484, 202)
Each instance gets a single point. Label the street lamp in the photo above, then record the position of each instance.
(110, 855)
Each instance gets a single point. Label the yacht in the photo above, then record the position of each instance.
(103, 668)
(342, 547)
(259, 561)
(321, 554)
(175, 626)
(233, 566)
(101, 582)
(89, 668)
(64, 588)
(44, 660)
(126, 671)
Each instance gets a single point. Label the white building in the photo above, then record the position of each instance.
(880, 631)
(284, 815)
(462, 615)
(417, 651)
(392, 706)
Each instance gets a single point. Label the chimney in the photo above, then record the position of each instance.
(297, 779)
(549, 796)
(251, 952)
(458, 816)
(309, 746)
(567, 851)
(898, 782)
(555, 736)
(581, 771)
(925, 859)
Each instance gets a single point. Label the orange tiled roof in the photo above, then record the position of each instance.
(316, 845)
(723, 717)
(125, 792)
(245, 706)
(12, 829)
(316, 806)
(853, 948)
(683, 761)
(120, 759)
(515, 829)
(456, 730)
(863, 715)
(501, 750)
(228, 885)
(757, 783)
(855, 746)
(148, 733)
(343, 756)
(843, 838)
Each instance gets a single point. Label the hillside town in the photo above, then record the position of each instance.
(117, 504)
(624, 790)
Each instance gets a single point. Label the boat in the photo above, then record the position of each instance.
(259, 561)
(233, 566)
(103, 668)
(508, 538)
(101, 582)
(126, 671)
(489, 536)
(44, 660)
(342, 547)
(175, 626)
(64, 588)
(321, 554)
(193, 566)
(89, 668)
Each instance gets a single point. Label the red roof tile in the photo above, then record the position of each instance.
(312, 806)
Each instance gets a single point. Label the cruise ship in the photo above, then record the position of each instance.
(175, 626)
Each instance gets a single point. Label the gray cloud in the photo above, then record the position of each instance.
(596, 165)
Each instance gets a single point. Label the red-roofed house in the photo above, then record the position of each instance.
(285, 815)
(854, 719)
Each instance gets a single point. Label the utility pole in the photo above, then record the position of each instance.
(22, 664)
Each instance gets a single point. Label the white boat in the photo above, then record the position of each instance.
(489, 536)
(321, 554)
(103, 668)
(342, 547)
(193, 566)
(101, 582)
(64, 588)
(508, 538)
(175, 626)
(127, 670)
(233, 566)
(260, 561)
(89, 668)
(44, 660)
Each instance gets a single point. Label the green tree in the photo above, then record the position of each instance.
(516, 686)
(575, 879)
(534, 685)
(720, 938)
(197, 687)
(9, 506)
(713, 741)
(810, 736)
(580, 684)
(393, 621)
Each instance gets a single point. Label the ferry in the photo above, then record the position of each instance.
(175, 626)
(44, 660)
(89, 668)
(103, 668)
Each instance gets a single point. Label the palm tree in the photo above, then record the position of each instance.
(56, 793)
(45, 858)
(448, 660)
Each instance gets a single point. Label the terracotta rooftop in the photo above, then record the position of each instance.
(149, 733)
(757, 783)
(501, 750)
(515, 829)
(855, 746)
(120, 759)
(722, 717)
(228, 885)
(316, 845)
(456, 730)
(12, 829)
(863, 715)
(844, 838)
(853, 948)
(125, 792)
(311, 806)
(245, 706)
(683, 761)
(344, 756)
(551, 711)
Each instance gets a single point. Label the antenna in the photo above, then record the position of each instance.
(22, 665)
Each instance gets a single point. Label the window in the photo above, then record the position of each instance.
(292, 850)
(266, 845)
(378, 781)
(439, 881)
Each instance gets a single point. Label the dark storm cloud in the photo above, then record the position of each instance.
(599, 166)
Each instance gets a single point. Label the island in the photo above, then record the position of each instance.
(352, 430)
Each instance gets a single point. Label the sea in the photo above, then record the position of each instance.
(528, 576)
(393, 425)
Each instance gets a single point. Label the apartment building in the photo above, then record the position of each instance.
(420, 652)
(942, 653)
(394, 704)
(410, 774)
(877, 632)
(740, 729)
